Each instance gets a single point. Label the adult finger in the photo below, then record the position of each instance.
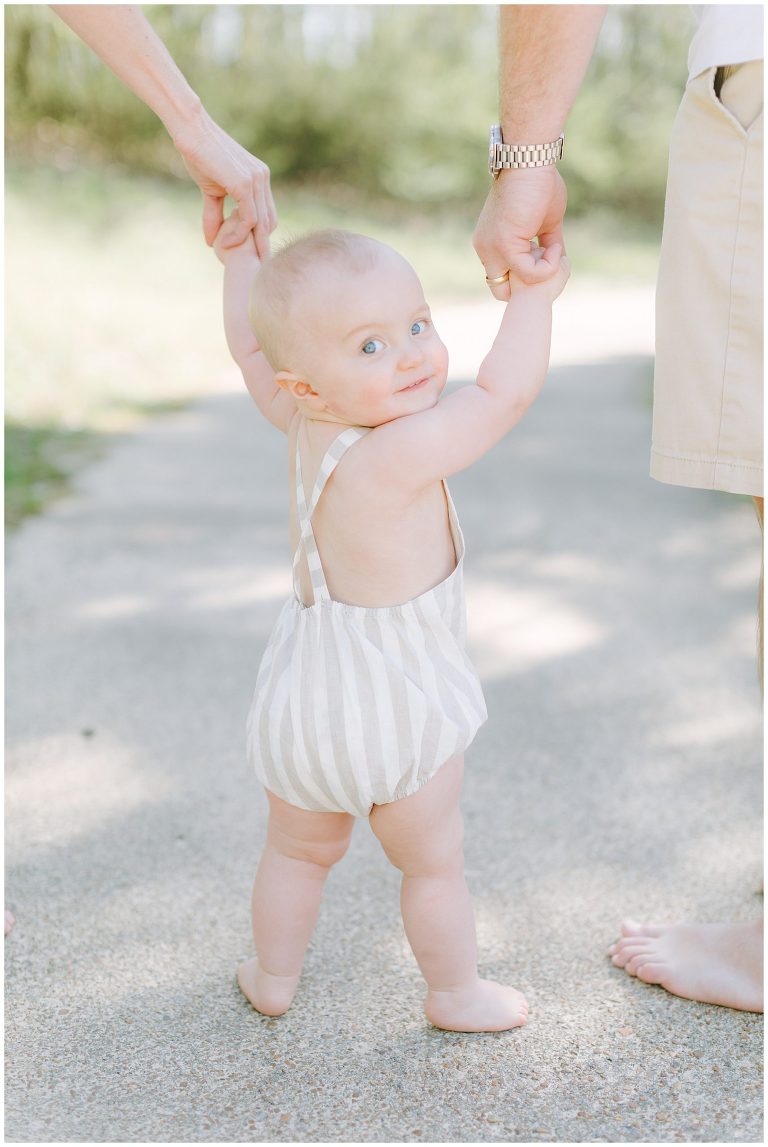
(551, 235)
(534, 266)
(262, 229)
(501, 291)
(271, 208)
(247, 218)
(498, 255)
(245, 195)
(213, 216)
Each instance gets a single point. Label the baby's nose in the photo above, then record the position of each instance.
(410, 354)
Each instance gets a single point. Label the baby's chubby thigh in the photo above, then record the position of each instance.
(423, 834)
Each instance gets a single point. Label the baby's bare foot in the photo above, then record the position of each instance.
(484, 1007)
(10, 920)
(711, 963)
(270, 995)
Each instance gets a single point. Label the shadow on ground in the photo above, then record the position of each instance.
(612, 621)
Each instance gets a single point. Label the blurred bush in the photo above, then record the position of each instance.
(391, 102)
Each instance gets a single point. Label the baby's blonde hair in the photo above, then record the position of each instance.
(281, 280)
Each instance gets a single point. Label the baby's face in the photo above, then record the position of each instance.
(367, 343)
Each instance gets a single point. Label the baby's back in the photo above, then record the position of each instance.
(378, 545)
(365, 688)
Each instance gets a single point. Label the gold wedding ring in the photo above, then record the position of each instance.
(498, 278)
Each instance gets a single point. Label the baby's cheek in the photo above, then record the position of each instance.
(442, 358)
(374, 391)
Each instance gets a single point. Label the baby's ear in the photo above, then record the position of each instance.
(289, 381)
(300, 389)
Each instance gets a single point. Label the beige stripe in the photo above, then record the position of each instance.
(329, 716)
(420, 692)
(278, 713)
(373, 735)
(445, 734)
(305, 763)
(351, 759)
(314, 710)
(274, 707)
(404, 717)
(382, 729)
(452, 674)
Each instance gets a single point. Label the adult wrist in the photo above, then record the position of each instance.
(505, 154)
(185, 119)
(530, 128)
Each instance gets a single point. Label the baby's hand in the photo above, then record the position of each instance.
(226, 245)
(553, 285)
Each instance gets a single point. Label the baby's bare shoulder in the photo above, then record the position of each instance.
(386, 460)
(376, 473)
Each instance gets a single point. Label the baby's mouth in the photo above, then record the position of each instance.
(417, 384)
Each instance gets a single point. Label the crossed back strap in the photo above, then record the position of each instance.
(305, 510)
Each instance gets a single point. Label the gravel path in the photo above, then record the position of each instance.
(612, 621)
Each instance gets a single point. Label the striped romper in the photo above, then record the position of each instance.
(357, 705)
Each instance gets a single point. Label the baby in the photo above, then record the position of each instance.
(365, 699)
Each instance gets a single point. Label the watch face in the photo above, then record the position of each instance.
(494, 140)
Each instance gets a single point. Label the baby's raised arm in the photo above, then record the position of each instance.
(467, 423)
(241, 264)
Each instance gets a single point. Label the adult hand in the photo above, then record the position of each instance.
(522, 204)
(123, 38)
(221, 167)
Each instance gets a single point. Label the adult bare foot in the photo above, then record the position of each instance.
(270, 995)
(10, 920)
(711, 963)
(484, 1007)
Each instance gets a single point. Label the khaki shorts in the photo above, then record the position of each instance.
(708, 385)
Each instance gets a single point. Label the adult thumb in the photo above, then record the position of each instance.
(213, 216)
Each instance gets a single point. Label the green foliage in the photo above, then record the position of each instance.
(38, 463)
(113, 302)
(392, 101)
(618, 133)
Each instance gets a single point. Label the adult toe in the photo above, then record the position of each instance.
(651, 973)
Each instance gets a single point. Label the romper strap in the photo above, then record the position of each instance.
(307, 543)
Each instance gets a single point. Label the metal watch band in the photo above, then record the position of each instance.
(503, 156)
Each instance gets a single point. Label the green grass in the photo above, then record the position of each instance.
(113, 301)
(39, 460)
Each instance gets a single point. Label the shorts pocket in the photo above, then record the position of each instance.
(737, 90)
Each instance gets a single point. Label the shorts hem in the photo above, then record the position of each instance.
(707, 474)
(410, 790)
(403, 791)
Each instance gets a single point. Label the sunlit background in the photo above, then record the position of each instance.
(371, 117)
(611, 618)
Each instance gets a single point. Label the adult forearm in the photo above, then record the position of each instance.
(122, 37)
(545, 52)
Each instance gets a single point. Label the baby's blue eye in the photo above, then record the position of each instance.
(419, 327)
(372, 346)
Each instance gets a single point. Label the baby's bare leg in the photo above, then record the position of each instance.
(300, 850)
(422, 835)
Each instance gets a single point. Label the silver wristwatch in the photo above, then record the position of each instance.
(502, 156)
